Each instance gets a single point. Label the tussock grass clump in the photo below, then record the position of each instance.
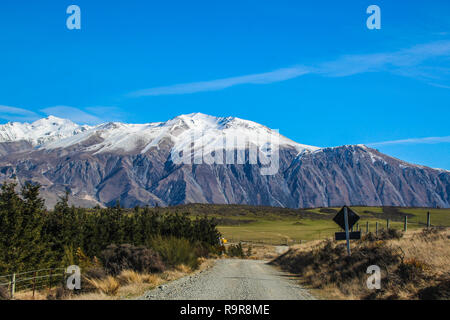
(109, 286)
(183, 268)
(128, 277)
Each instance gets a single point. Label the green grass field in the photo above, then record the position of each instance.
(268, 227)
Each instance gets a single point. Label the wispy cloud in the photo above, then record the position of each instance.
(17, 114)
(260, 78)
(427, 140)
(405, 62)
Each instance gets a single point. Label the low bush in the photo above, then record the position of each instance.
(412, 270)
(95, 273)
(128, 257)
(236, 250)
(177, 251)
(388, 234)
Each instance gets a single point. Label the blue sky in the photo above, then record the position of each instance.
(313, 71)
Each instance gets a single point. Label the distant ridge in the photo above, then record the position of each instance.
(133, 163)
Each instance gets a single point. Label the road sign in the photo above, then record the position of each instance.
(352, 218)
(346, 218)
(352, 235)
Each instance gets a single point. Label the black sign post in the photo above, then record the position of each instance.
(347, 235)
(346, 218)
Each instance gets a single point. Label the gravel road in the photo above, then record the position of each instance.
(233, 279)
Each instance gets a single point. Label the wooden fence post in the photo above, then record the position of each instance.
(13, 285)
(428, 219)
(388, 223)
(34, 283)
(367, 227)
(405, 227)
(376, 228)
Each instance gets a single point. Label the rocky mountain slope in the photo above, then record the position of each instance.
(142, 164)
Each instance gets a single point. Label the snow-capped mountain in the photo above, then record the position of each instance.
(134, 163)
(204, 131)
(41, 131)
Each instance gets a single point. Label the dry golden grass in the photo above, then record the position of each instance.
(133, 284)
(183, 268)
(109, 286)
(129, 284)
(28, 295)
(421, 269)
(434, 253)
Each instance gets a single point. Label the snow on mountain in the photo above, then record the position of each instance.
(208, 133)
(130, 163)
(41, 131)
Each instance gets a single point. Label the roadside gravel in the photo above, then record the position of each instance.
(233, 279)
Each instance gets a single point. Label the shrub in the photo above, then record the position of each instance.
(236, 250)
(128, 257)
(95, 273)
(177, 251)
(388, 234)
(412, 270)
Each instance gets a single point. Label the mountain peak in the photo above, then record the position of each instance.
(40, 131)
(209, 131)
(52, 120)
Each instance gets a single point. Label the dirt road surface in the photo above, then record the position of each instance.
(233, 279)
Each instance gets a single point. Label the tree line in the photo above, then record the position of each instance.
(32, 237)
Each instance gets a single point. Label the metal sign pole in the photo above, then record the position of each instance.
(347, 235)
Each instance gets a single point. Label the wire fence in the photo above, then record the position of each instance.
(32, 280)
(404, 223)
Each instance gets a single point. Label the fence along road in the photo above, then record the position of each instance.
(32, 280)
